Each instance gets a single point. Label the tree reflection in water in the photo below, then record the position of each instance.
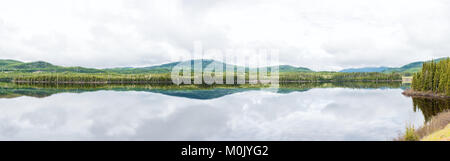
(430, 107)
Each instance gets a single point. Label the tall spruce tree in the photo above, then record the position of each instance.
(435, 77)
(447, 86)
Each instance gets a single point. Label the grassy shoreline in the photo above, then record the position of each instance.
(431, 130)
(441, 135)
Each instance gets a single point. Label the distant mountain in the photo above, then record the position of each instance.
(41, 66)
(408, 68)
(167, 68)
(32, 65)
(367, 69)
(288, 68)
(164, 68)
(7, 62)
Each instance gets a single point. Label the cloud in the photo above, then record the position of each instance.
(322, 35)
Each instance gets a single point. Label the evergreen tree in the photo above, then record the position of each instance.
(447, 88)
(435, 76)
(442, 78)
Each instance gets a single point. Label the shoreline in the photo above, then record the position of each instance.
(431, 131)
(412, 93)
(168, 82)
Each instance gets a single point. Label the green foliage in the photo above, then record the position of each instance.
(81, 78)
(410, 134)
(339, 77)
(113, 78)
(43, 72)
(434, 77)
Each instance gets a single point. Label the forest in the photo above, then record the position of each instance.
(114, 78)
(434, 77)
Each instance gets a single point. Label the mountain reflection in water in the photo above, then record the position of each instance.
(303, 111)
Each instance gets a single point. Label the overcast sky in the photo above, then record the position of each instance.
(318, 34)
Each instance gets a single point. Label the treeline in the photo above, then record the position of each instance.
(339, 77)
(108, 78)
(79, 78)
(434, 77)
(371, 76)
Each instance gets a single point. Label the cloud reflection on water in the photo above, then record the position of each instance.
(318, 114)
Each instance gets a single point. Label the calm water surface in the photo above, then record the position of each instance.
(314, 114)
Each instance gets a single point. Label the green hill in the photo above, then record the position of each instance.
(8, 62)
(288, 68)
(164, 68)
(167, 68)
(41, 66)
(32, 65)
(409, 68)
(365, 69)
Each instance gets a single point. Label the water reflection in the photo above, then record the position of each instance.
(10, 90)
(296, 112)
(430, 107)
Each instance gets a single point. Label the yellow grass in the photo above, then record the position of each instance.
(437, 128)
(441, 135)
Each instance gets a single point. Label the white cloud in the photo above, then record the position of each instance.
(322, 35)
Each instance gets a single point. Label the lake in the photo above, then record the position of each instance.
(320, 111)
